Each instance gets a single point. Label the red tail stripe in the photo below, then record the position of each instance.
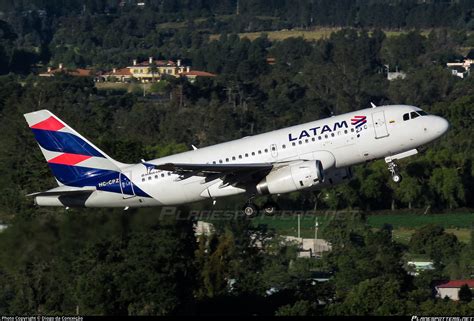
(50, 123)
(69, 159)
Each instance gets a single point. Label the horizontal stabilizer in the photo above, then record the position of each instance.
(64, 190)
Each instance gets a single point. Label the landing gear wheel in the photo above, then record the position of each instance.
(397, 178)
(250, 210)
(392, 167)
(270, 208)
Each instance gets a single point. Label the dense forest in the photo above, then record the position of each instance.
(89, 261)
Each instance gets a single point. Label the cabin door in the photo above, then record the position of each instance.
(380, 125)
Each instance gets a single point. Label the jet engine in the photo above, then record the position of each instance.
(293, 177)
(336, 176)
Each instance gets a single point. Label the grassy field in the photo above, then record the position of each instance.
(315, 34)
(404, 225)
(283, 34)
(128, 87)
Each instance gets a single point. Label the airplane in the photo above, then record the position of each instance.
(299, 158)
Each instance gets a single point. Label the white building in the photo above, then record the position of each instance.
(451, 288)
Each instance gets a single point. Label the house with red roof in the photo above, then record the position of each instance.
(117, 75)
(78, 72)
(153, 70)
(451, 289)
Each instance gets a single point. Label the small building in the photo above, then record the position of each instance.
(78, 72)
(203, 228)
(415, 267)
(193, 74)
(462, 68)
(459, 71)
(396, 75)
(451, 289)
(117, 75)
(310, 247)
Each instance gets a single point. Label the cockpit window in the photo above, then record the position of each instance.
(406, 116)
(422, 113)
(413, 115)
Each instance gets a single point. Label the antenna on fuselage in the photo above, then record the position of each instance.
(373, 105)
(194, 147)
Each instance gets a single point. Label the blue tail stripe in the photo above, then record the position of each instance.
(64, 142)
(83, 176)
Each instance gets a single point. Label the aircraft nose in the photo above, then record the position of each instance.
(442, 126)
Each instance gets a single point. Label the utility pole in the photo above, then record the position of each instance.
(315, 234)
(299, 226)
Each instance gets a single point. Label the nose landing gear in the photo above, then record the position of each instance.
(393, 168)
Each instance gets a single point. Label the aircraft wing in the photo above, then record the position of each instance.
(234, 174)
(212, 168)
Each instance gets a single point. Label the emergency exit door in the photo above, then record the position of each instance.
(380, 125)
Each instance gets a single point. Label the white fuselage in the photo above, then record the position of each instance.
(336, 141)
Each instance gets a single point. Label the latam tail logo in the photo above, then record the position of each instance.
(359, 121)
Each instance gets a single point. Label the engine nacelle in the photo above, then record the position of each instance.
(294, 177)
(336, 176)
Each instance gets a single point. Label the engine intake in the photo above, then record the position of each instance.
(294, 177)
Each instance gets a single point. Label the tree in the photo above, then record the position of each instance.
(447, 183)
(299, 308)
(465, 293)
(433, 241)
(409, 190)
(378, 296)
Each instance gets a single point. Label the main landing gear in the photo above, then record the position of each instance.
(393, 168)
(250, 209)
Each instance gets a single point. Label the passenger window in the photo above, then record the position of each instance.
(345, 131)
(422, 113)
(156, 176)
(306, 141)
(233, 157)
(162, 174)
(227, 160)
(319, 137)
(283, 146)
(332, 134)
(273, 148)
(352, 130)
(240, 156)
(259, 152)
(266, 150)
(326, 136)
(220, 161)
(214, 162)
(294, 144)
(253, 153)
(246, 155)
(406, 116)
(300, 142)
(413, 115)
